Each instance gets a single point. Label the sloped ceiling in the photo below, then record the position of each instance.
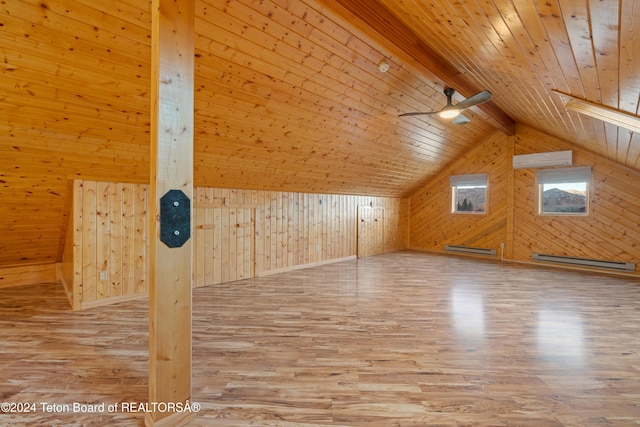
(288, 95)
(523, 51)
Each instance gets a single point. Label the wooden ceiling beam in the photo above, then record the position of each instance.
(376, 22)
(602, 112)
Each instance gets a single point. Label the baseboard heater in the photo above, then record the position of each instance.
(586, 262)
(470, 250)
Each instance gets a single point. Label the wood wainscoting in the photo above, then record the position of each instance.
(290, 231)
(225, 243)
(238, 234)
(370, 231)
(104, 259)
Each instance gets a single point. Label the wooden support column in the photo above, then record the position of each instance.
(170, 268)
(507, 252)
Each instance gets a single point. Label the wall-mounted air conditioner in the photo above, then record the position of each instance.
(542, 160)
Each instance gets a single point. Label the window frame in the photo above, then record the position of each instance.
(470, 181)
(573, 175)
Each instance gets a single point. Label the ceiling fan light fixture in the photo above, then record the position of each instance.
(449, 114)
(451, 111)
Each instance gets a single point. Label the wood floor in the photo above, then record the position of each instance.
(403, 339)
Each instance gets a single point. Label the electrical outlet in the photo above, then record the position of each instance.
(103, 276)
(501, 245)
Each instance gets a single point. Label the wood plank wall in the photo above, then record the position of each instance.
(107, 260)
(609, 232)
(371, 231)
(237, 234)
(291, 230)
(71, 263)
(27, 274)
(433, 224)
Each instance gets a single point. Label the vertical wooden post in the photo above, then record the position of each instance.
(508, 251)
(170, 268)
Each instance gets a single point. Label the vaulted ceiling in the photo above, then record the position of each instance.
(288, 95)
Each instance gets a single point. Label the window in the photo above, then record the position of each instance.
(564, 191)
(469, 193)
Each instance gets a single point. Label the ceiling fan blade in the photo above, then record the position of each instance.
(477, 99)
(417, 114)
(460, 119)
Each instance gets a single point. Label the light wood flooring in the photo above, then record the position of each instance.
(402, 339)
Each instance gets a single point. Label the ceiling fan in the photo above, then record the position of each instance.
(454, 112)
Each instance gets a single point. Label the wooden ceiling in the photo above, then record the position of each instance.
(523, 50)
(288, 94)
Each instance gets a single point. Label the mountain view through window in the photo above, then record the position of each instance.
(471, 199)
(564, 198)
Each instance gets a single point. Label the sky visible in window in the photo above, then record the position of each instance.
(578, 186)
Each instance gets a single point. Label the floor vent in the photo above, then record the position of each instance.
(610, 265)
(470, 250)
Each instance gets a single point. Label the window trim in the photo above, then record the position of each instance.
(581, 174)
(468, 180)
